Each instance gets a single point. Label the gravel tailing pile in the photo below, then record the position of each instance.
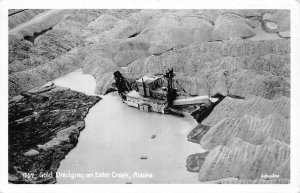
(246, 138)
(244, 68)
(51, 54)
(243, 160)
(41, 74)
(256, 106)
(251, 129)
(153, 40)
(17, 17)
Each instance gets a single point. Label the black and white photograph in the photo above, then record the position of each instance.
(149, 96)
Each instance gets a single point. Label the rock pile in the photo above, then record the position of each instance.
(53, 53)
(43, 21)
(246, 139)
(244, 160)
(231, 26)
(17, 17)
(243, 68)
(186, 39)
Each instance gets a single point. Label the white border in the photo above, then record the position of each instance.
(293, 5)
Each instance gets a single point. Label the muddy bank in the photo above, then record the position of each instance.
(44, 126)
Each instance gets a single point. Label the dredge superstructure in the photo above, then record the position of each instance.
(155, 93)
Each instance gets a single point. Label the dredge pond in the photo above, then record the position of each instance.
(121, 144)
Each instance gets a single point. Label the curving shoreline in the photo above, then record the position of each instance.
(44, 126)
(35, 158)
(240, 52)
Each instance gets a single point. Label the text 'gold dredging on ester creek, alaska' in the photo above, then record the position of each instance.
(82, 176)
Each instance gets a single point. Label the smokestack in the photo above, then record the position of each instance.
(144, 87)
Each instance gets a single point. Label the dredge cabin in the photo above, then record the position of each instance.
(151, 96)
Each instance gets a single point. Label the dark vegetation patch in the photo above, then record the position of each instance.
(35, 119)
